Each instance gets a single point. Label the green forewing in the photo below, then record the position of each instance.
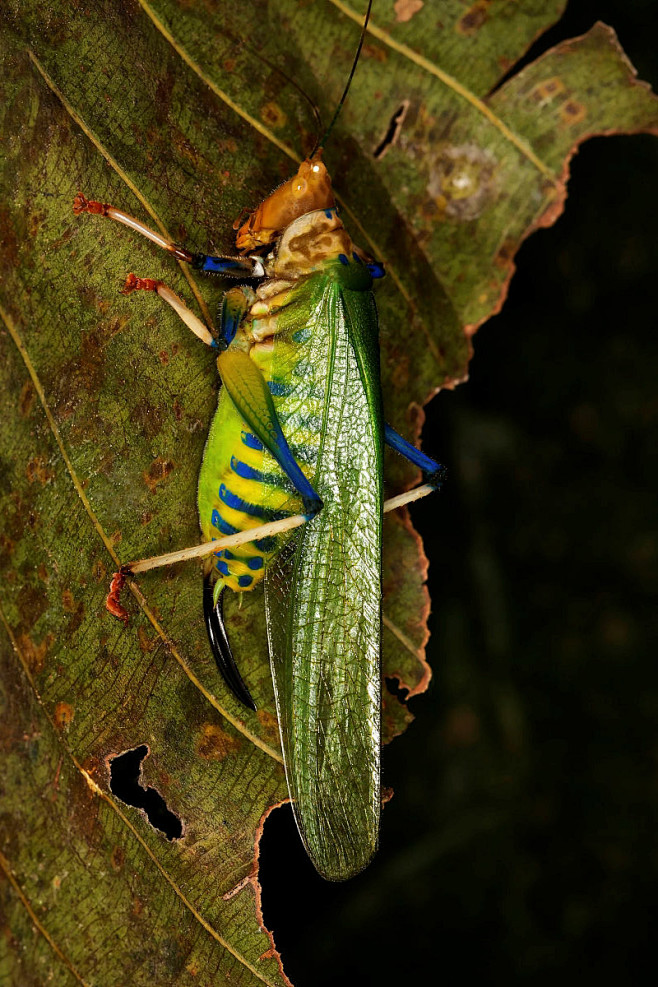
(323, 599)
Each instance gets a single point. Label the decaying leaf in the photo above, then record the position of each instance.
(179, 112)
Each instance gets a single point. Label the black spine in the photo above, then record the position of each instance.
(221, 647)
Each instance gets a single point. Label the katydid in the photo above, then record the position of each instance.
(290, 489)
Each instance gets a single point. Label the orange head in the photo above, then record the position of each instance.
(309, 189)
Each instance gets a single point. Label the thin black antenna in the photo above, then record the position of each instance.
(324, 137)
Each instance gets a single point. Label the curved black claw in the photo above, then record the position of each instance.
(221, 647)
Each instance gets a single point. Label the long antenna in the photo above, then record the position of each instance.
(324, 137)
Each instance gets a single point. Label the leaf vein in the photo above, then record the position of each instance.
(137, 593)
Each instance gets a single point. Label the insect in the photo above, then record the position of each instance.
(290, 490)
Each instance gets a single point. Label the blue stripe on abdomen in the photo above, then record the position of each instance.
(247, 472)
(251, 441)
(218, 522)
(255, 510)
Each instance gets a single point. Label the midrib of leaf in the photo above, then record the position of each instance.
(137, 593)
(98, 791)
(182, 53)
(265, 132)
(114, 164)
(451, 83)
(22, 897)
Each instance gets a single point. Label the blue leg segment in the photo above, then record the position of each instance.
(434, 471)
(231, 267)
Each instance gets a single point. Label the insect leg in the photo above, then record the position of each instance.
(434, 471)
(219, 642)
(251, 396)
(239, 267)
(133, 283)
(234, 305)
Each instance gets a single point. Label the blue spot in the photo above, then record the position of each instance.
(267, 544)
(255, 510)
(356, 257)
(227, 554)
(251, 441)
(245, 581)
(218, 522)
(328, 213)
(376, 270)
(222, 567)
(279, 390)
(255, 563)
(302, 335)
(343, 259)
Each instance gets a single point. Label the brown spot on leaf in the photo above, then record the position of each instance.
(157, 473)
(32, 602)
(178, 411)
(270, 725)
(573, 113)
(98, 571)
(227, 146)
(506, 252)
(35, 654)
(547, 90)
(374, 51)
(215, 744)
(148, 417)
(471, 22)
(164, 357)
(26, 399)
(273, 115)
(138, 907)
(37, 471)
(146, 643)
(118, 858)
(42, 573)
(68, 601)
(405, 9)
(63, 716)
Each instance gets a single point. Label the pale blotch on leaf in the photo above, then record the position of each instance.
(461, 181)
(405, 9)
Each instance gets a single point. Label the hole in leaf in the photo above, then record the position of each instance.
(125, 777)
(396, 689)
(393, 131)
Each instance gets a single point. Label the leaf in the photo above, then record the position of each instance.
(178, 112)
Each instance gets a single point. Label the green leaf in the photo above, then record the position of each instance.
(180, 113)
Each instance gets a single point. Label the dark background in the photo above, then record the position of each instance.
(522, 842)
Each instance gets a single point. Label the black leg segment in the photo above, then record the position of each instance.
(221, 647)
